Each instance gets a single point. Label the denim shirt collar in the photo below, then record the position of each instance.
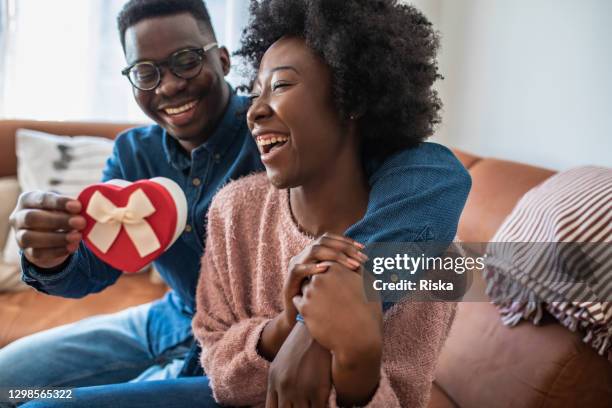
(215, 147)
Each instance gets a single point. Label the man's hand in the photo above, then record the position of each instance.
(300, 375)
(47, 227)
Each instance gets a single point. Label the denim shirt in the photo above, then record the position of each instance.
(416, 195)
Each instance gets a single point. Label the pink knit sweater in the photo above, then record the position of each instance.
(251, 238)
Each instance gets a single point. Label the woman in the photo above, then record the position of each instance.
(340, 86)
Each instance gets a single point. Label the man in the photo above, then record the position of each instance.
(201, 141)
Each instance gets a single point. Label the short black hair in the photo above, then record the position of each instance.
(135, 11)
(382, 55)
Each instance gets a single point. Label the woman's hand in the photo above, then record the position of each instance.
(342, 320)
(300, 375)
(309, 262)
(328, 247)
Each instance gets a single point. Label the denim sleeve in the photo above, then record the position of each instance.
(83, 273)
(416, 195)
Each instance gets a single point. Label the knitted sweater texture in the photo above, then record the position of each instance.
(251, 239)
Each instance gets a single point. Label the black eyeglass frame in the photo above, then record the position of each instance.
(168, 62)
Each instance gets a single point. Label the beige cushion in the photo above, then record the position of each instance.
(10, 276)
(10, 255)
(9, 191)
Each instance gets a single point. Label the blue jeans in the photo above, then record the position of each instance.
(101, 350)
(187, 392)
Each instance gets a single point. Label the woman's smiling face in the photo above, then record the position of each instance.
(293, 118)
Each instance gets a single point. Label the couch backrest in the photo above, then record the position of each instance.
(497, 185)
(8, 128)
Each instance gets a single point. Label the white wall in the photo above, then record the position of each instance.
(526, 80)
(62, 59)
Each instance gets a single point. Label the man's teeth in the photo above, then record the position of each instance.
(272, 140)
(180, 109)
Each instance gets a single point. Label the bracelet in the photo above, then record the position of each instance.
(299, 318)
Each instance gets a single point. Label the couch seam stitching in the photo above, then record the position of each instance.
(557, 377)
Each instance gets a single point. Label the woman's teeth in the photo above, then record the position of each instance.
(269, 141)
(180, 109)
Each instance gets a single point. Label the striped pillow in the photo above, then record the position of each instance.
(554, 252)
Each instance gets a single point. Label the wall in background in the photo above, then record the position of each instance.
(62, 59)
(527, 80)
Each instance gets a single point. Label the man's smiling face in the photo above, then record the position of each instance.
(188, 109)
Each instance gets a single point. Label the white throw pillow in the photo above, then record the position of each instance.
(62, 164)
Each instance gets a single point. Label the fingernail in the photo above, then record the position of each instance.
(73, 205)
(72, 247)
(321, 265)
(362, 256)
(71, 237)
(358, 245)
(74, 222)
(354, 262)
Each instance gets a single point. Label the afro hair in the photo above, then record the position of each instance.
(382, 55)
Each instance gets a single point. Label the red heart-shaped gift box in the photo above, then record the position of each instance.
(163, 223)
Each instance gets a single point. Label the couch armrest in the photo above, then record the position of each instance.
(8, 128)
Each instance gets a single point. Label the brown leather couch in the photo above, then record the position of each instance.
(483, 364)
(486, 364)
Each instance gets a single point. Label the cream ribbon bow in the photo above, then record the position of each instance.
(109, 219)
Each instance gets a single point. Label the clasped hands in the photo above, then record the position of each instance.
(340, 342)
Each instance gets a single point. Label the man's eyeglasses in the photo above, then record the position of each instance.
(186, 64)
